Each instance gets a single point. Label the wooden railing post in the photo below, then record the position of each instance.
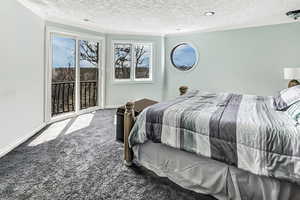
(128, 124)
(183, 90)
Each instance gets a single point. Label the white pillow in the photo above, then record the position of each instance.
(287, 97)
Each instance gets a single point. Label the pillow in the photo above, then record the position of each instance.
(294, 111)
(287, 97)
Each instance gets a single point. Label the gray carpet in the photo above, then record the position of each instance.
(83, 164)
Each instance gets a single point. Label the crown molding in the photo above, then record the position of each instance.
(226, 28)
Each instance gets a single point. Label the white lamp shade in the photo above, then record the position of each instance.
(291, 73)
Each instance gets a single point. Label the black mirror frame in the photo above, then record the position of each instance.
(172, 52)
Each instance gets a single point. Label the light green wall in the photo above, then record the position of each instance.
(117, 94)
(243, 61)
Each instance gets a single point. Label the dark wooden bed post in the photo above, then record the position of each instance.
(128, 124)
(183, 90)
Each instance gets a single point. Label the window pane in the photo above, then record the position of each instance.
(143, 60)
(88, 53)
(184, 57)
(122, 60)
(63, 59)
(63, 74)
(88, 64)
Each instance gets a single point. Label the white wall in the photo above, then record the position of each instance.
(243, 61)
(21, 74)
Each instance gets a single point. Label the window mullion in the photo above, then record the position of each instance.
(77, 78)
(133, 61)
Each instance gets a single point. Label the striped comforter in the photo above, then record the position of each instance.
(241, 130)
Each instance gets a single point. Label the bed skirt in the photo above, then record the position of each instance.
(207, 176)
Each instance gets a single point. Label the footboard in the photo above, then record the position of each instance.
(129, 119)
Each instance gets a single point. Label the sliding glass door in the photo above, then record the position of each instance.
(75, 79)
(89, 76)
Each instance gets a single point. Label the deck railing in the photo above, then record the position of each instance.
(63, 96)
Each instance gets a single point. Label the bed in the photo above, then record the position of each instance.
(231, 146)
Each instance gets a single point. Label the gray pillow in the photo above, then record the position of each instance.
(287, 97)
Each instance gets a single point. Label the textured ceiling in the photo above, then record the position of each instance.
(164, 16)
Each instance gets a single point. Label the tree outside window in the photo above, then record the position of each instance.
(132, 61)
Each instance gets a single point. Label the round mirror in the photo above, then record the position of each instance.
(184, 57)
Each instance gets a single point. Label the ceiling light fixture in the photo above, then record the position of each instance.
(86, 20)
(209, 13)
(295, 14)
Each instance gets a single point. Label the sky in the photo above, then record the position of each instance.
(184, 55)
(145, 63)
(63, 53)
(146, 57)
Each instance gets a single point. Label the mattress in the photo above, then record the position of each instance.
(207, 176)
(244, 131)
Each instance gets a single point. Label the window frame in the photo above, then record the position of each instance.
(132, 79)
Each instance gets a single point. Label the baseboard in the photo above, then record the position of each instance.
(20, 141)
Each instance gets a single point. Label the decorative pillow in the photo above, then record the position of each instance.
(294, 111)
(287, 97)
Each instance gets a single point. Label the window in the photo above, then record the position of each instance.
(122, 60)
(142, 61)
(132, 61)
(89, 73)
(184, 57)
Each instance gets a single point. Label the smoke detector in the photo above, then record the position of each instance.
(210, 13)
(295, 14)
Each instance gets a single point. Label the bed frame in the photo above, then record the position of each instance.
(286, 190)
(129, 119)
